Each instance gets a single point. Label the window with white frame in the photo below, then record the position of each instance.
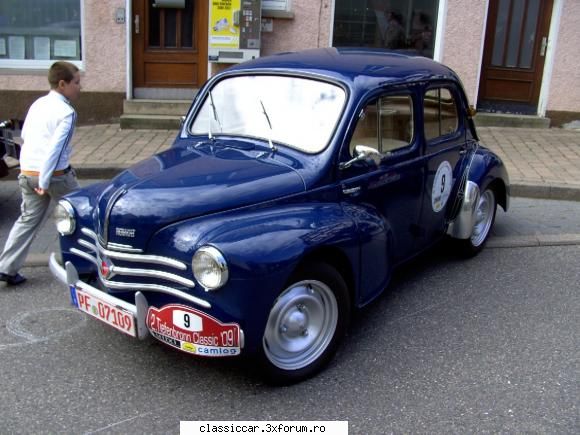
(34, 33)
(408, 25)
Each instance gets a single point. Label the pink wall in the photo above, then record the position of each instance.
(564, 91)
(310, 28)
(462, 45)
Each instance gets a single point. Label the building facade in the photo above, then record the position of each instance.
(513, 56)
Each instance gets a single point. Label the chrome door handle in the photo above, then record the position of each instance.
(136, 21)
(351, 190)
(543, 46)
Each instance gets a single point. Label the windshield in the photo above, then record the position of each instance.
(301, 113)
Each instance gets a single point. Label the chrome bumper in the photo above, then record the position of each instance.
(68, 275)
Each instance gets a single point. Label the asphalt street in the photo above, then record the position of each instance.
(454, 346)
(487, 345)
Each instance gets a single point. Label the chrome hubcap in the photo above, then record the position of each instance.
(483, 218)
(301, 325)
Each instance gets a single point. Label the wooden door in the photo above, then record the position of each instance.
(514, 54)
(169, 44)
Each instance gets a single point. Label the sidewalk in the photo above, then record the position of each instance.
(542, 163)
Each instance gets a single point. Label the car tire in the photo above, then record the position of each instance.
(484, 219)
(305, 325)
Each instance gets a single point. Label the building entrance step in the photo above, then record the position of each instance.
(487, 119)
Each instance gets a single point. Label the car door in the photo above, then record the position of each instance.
(384, 199)
(445, 152)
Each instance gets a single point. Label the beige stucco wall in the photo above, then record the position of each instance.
(564, 90)
(462, 43)
(310, 28)
(104, 53)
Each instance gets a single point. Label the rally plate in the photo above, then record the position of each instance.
(110, 314)
(193, 331)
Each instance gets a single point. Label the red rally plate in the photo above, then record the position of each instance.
(193, 331)
(104, 311)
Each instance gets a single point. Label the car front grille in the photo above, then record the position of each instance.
(122, 267)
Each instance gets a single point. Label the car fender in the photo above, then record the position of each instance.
(267, 244)
(488, 170)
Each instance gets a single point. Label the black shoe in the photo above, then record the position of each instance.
(12, 279)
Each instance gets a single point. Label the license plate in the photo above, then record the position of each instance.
(194, 331)
(104, 311)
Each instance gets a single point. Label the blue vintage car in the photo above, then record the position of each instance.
(297, 183)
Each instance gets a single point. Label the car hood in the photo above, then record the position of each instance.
(185, 182)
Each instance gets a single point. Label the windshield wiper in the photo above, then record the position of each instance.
(215, 116)
(272, 147)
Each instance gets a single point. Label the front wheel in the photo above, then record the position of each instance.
(483, 223)
(305, 324)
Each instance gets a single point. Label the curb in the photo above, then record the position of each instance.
(545, 191)
(533, 241)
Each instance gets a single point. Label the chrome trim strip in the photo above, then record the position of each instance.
(155, 259)
(144, 258)
(126, 248)
(84, 255)
(152, 273)
(88, 245)
(89, 233)
(158, 288)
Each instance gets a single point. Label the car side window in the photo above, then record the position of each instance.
(385, 124)
(439, 113)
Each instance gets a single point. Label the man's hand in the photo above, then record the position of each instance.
(39, 191)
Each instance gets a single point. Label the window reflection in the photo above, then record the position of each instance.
(393, 24)
(40, 29)
(302, 112)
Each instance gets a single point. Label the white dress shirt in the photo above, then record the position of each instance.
(47, 133)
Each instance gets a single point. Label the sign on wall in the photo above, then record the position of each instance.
(234, 30)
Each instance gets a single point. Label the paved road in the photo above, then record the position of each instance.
(478, 346)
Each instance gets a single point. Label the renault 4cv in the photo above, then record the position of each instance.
(295, 186)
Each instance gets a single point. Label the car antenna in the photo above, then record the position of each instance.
(272, 147)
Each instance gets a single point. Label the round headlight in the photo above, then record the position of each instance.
(64, 217)
(210, 268)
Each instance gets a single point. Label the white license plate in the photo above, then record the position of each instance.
(104, 311)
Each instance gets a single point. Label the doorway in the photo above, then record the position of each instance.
(514, 55)
(169, 48)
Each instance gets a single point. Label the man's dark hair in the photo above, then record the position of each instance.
(61, 71)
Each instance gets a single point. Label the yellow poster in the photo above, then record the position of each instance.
(224, 24)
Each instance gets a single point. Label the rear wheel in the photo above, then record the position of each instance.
(483, 223)
(305, 324)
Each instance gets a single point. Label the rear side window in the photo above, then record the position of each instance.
(385, 124)
(440, 113)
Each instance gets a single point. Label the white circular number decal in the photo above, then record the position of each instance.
(441, 186)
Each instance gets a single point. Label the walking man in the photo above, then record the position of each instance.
(44, 161)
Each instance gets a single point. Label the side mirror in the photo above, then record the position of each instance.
(363, 153)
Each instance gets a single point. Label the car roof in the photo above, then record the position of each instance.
(353, 65)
